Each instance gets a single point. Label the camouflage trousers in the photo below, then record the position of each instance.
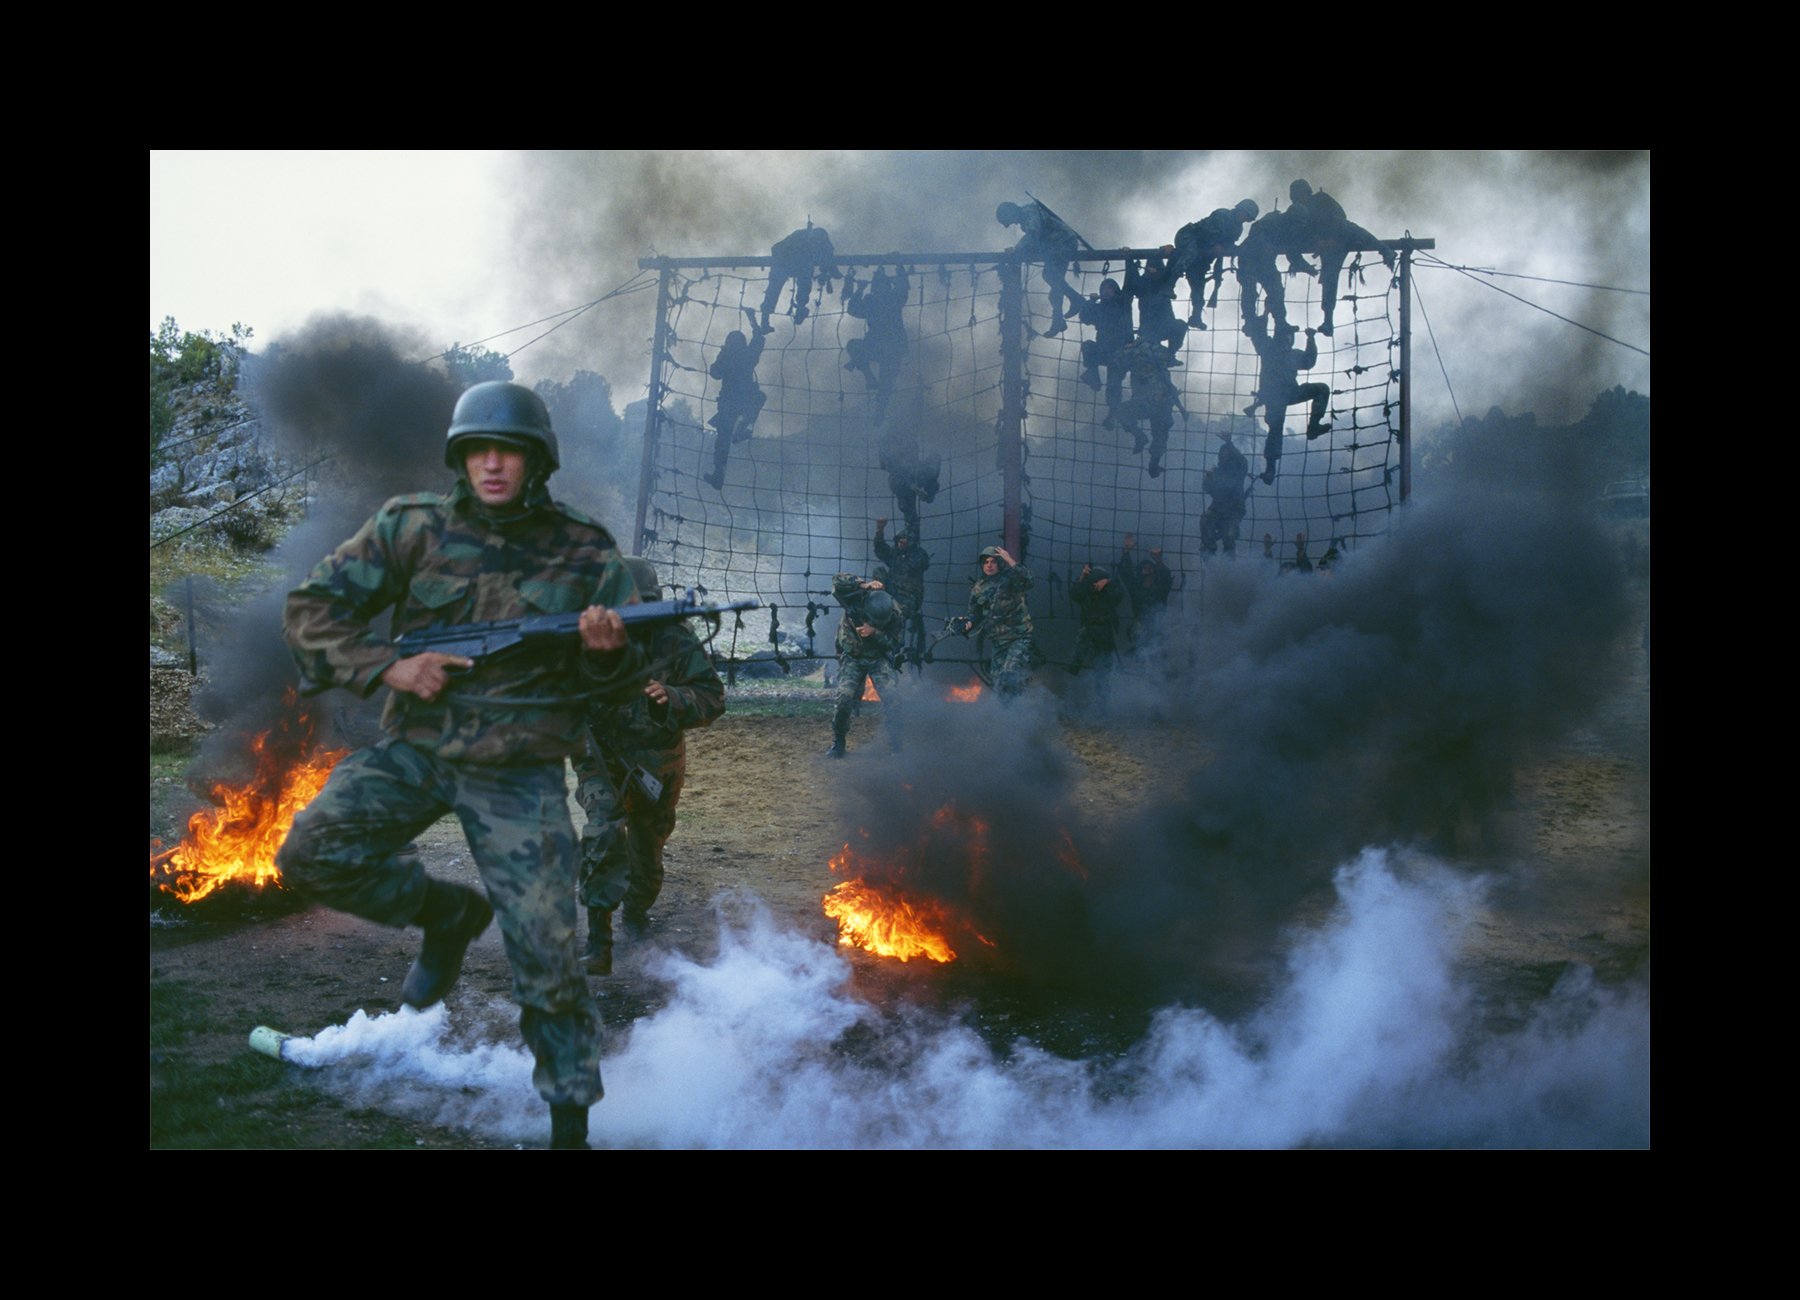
(1011, 666)
(342, 852)
(852, 673)
(622, 839)
(1220, 524)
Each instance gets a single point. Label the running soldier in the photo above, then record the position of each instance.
(487, 743)
(869, 638)
(997, 611)
(630, 775)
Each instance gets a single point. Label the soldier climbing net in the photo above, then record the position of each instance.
(983, 433)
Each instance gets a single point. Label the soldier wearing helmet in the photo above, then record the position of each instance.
(740, 398)
(1278, 386)
(1050, 240)
(869, 639)
(486, 741)
(1201, 248)
(1110, 315)
(998, 612)
(631, 773)
(1318, 225)
(796, 258)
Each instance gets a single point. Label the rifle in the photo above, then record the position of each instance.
(485, 640)
(1065, 225)
(955, 625)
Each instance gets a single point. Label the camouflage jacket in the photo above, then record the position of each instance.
(997, 605)
(642, 734)
(906, 571)
(442, 560)
(889, 634)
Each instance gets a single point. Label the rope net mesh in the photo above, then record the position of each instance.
(915, 437)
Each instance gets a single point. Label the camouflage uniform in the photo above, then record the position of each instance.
(490, 749)
(622, 842)
(997, 605)
(865, 658)
(1153, 399)
(1200, 250)
(907, 583)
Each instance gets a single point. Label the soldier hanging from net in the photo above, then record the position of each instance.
(1317, 224)
(1225, 484)
(907, 562)
(1278, 386)
(795, 258)
(880, 350)
(740, 398)
(1274, 234)
(1154, 400)
(1110, 316)
(1052, 241)
(913, 475)
(1154, 289)
(1200, 251)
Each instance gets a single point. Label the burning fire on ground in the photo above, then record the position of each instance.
(237, 839)
(891, 920)
(869, 696)
(964, 694)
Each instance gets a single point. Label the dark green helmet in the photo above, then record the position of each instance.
(989, 553)
(505, 412)
(643, 573)
(877, 606)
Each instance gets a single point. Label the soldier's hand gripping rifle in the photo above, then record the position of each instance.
(955, 625)
(480, 641)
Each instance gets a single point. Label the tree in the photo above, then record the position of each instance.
(476, 365)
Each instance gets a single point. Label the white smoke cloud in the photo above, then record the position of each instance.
(1371, 1037)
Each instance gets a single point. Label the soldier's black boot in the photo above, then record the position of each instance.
(568, 1127)
(596, 958)
(453, 916)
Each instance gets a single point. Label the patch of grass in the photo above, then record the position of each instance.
(774, 707)
(236, 574)
(249, 1102)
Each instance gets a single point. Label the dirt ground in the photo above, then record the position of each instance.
(1577, 893)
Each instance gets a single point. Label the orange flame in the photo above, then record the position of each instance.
(869, 695)
(964, 694)
(887, 919)
(888, 926)
(238, 839)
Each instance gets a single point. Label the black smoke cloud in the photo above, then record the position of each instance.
(1389, 702)
(349, 394)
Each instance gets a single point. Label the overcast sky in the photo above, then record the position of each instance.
(460, 246)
